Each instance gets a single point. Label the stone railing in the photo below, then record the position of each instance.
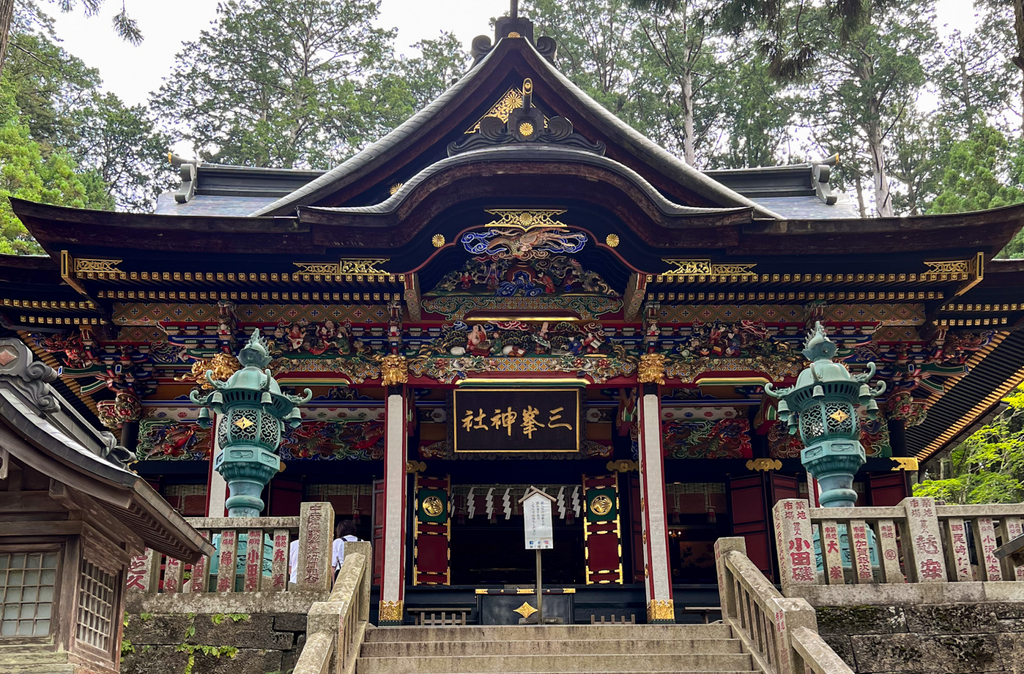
(781, 633)
(241, 567)
(904, 553)
(335, 628)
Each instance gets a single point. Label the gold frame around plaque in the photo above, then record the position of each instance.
(455, 419)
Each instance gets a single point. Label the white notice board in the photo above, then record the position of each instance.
(537, 516)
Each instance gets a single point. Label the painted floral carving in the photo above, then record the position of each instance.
(902, 407)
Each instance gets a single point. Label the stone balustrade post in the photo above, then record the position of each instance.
(726, 586)
(790, 615)
(924, 541)
(316, 537)
(794, 537)
(143, 572)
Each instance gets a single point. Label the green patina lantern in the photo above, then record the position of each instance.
(823, 404)
(251, 410)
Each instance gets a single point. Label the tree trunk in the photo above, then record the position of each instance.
(883, 195)
(860, 199)
(6, 14)
(690, 154)
(1018, 28)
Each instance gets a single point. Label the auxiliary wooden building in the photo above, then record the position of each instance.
(515, 288)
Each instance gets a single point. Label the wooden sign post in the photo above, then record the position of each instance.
(539, 533)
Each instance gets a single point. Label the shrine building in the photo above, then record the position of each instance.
(512, 289)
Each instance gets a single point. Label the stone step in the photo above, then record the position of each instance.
(582, 662)
(404, 649)
(537, 633)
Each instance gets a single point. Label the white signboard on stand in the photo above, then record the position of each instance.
(537, 516)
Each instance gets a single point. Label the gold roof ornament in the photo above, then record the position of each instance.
(525, 610)
(526, 219)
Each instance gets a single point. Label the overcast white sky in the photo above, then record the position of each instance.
(133, 72)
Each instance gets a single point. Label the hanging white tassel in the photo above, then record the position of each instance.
(560, 502)
(577, 506)
(490, 503)
(470, 504)
(506, 503)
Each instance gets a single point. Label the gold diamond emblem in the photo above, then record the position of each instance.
(839, 416)
(244, 423)
(525, 610)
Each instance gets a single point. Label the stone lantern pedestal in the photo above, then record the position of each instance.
(251, 411)
(823, 406)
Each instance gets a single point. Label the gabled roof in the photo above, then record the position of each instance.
(509, 63)
(40, 429)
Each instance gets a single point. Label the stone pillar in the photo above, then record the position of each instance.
(316, 539)
(794, 538)
(216, 486)
(657, 566)
(926, 563)
(392, 583)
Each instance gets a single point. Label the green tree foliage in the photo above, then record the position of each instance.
(862, 87)
(989, 466)
(981, 171)
(288, 83)
(670, 75)
(28, 171)
(124, 26)
(58, 98)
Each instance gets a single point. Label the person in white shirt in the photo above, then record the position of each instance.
(293, 561)
(344, 531)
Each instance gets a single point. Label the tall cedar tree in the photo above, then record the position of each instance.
(867, 83)
(284, 83)
(672, 78)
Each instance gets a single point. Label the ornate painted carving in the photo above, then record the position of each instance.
(707, 268)
(723, 439)
(902, 407)
(220, 367)
(456, 307)
(333, 440)
(395, 370)
(343, 267)
(171, 440)
(124, 408)
(651, 369)
(511, 244)
(540, 276)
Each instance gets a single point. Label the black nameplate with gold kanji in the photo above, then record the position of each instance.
(517, 420)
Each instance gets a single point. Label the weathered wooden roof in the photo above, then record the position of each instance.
(40, 429)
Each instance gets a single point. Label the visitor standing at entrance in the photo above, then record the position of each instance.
(344, 531)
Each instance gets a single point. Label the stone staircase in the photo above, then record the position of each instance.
(553, 649)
